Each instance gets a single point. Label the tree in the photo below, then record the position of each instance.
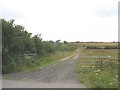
(39, 45)
(17, 42)
(57, 41)
(65, 42)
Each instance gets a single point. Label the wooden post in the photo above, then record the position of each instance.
(101, 63)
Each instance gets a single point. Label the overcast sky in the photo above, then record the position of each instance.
(70, 20)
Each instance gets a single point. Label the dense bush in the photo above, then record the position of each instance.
(17, 42)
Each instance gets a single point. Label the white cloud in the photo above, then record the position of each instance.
(71, 20)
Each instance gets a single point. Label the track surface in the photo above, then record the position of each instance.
(58, 75)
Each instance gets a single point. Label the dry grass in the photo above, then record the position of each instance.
(101, 52)
(98, 44)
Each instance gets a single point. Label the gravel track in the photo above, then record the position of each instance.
(57, 75)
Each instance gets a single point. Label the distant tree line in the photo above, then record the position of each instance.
(16, 42)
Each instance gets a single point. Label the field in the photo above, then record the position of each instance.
(98, 44)
(98, 68)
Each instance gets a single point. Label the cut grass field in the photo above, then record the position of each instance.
(99, 44)
(40, 62)
(95, 74)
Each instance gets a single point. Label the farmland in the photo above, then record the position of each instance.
(98, 68)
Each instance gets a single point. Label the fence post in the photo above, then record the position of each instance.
(101, 63)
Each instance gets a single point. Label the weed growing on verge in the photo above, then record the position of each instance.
(102, 75)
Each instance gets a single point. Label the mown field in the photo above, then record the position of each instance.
(98, 44)
(98, 68)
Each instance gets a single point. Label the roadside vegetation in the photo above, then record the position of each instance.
(21, 50)
(98, 68)
(32, 63)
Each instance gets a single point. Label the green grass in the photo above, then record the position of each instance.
(95, 75)
(40, 62)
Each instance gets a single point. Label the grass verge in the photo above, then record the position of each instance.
(95, 74)
(40, 62)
